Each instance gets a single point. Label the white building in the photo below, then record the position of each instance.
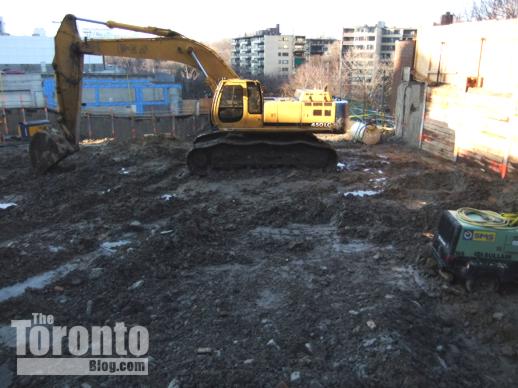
(319, 46)
(32, 53)
(267, 52)
(376, 42)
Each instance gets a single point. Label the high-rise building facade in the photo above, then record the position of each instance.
(318, 46)
(375, 42)
(267, 52)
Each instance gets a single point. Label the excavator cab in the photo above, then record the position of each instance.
(237, 104)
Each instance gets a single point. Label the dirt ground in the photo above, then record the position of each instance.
(289, 276)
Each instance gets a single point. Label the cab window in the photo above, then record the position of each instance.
(231, 104)
(255, 103)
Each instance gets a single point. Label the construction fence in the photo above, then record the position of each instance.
(184, 126)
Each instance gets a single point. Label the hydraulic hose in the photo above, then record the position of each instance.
(488, 218)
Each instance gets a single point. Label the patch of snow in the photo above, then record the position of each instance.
(362, 193)
(167, 197)
(111, 246)
(341, 166)
(38, 282)
(55, 249)
(7, 205)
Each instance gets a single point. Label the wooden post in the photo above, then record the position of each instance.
(113, 123)
(423, 114)
(24, 117)
(505, 162)
(173, 126)
(6, 127)
(88, 116)
(153, 121)
(133, 129)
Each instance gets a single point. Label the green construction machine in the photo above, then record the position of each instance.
(472, 244)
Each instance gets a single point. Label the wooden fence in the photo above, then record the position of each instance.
(474, 125)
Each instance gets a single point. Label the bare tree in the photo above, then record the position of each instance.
(223, 48)
(130, 65)
(493, 9)
(367, 78)
(318, 72)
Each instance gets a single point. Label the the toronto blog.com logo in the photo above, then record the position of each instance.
(44, 348)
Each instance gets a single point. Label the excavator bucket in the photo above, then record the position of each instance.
(47, 148)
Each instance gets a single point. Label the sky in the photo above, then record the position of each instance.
(210, 21)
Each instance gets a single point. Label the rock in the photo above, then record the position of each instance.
(174, 383)
(454, 349)
(306, 360)
(204, 351)
(230, 227)
(95, 273)
(369, 342)
(151, 361)
(273, 344)
(507, 350)
(136, 285)
(371, 324)
(295, 376)
(309, 348)
(75, 281)
(440, 348)
(59, 289)
(249, 361)
(498, 316)
(377, 256)
(86, 385)
(443, 363)
(315, 384)
(430, 263)
(89, 306)
(136, 226)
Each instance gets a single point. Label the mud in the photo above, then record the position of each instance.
(291, 277)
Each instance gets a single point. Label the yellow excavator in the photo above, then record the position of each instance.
(249, 131)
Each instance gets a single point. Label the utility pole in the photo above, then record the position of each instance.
(383, 80)
(340, 66)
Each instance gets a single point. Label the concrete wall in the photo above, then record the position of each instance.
(409, 111)
(403, 57)
(470, 112)
(452, 53)
(21, 90)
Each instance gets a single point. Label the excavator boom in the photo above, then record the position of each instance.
(49, 147)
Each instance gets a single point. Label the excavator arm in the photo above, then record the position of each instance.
(49, 147)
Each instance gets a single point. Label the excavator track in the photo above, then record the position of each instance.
(236, 150)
